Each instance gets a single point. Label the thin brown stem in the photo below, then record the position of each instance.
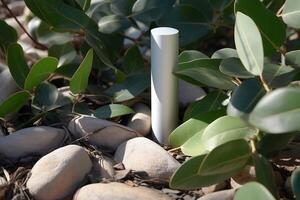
(41, 46)
(264, 83)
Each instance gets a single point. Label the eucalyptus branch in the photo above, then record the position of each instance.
(43, 47)
(264, 83)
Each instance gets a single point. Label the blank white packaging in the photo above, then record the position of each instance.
(164, 85)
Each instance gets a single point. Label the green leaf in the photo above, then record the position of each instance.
(264, 173)
(205, 71)
(295, 179)
(272, 29)
(225, 53)
(40, 71)
(122, 7)
(17, 64)
(191, 23)
(248, 43)
(294, 58)
(278, 75)
(194, 145)
(112, 110)
(244, 98)
(185, 131)
(79, 81)
(278, 111)
(133, 60)
(8, 35)
(186, 177)
(226, 129)
(66, 53)
(291, 13)
(226, 158)
(46, 94)
(190, 55)
(271, 144)
(14, 103)
(113, 23)
(235, 68)
(151, 10)
(212, 101)
(66, 18)
(252, 191)
(131, 87)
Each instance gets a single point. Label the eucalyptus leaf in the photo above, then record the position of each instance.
(112, 23)
(225, 53)
(190, 55)
(79, 80)
(205, 71)
(226, 129)
(66, 53)
(235, 68)
(133, 60)
(248, 43)
(14, 103)
(151, 10)
(278, 111)
(194, 145)
(291, 13)
(294, 58)
(17, 64)
(278, 75)
(112, 110)
(211, 102)
(122, 7)
(272, 29)
(245, 97)
(8, 35)
(226, 158)
(40, 71)
(186, 176)
(253, 190)
(46, 94)
(131, 87)
(264, 173)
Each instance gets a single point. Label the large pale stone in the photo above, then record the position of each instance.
(31, 141)
(141, 120)
(101, 133)
(118, 191)
(221, 195)
(59, 174)
(142, 154)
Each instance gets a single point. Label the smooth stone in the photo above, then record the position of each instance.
(17, 7)
(143, 155)
(189, 93)
(141, 120)
(59, 174)
(221, 195)
(214, 188)
(32, 141)
(118, 191)
(8, 86)
(101, 133)
(245, 176)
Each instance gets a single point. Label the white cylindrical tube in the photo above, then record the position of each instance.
(164, 85)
